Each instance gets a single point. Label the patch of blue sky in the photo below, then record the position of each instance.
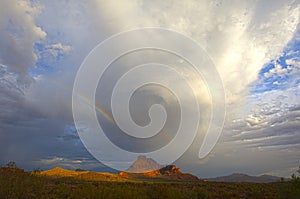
(47, 63)
(41, 65)
(269, 79)
(70, 134)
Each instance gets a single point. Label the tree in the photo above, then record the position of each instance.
(296, 179)
(12, 164)
(37, 170)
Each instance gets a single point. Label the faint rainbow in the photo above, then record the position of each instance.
(88, 102)
(97, 107)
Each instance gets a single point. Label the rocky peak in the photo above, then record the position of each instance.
(143, 164)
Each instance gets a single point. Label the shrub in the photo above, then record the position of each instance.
(12, 165)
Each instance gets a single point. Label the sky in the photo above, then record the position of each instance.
(255, 47)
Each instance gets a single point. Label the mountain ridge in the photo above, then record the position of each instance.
(144, 168)
(241, 177)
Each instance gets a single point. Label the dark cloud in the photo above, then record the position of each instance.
(12, 97)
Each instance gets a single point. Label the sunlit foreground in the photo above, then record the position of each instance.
(61, 183)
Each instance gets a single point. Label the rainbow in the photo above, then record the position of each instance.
(88, 102)
(98, 108)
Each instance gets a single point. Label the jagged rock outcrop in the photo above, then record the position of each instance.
(173, 173)
(170, 172)
(124, 174)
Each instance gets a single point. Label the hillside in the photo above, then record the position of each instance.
(82, 175)
(239, 177)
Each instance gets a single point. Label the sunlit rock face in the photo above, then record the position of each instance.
(169, 170)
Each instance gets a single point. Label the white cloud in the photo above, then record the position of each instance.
(275, 116)
(69, 163)
(277, 70)
(54, 160)
(240, 37)
(19, 33)
(293, 62)
(58, 48)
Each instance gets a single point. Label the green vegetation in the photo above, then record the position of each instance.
(295, 188)
(28, 185)
(37, 170)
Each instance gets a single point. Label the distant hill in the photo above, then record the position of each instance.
(58, 172)
(239, 177)
(143, 164)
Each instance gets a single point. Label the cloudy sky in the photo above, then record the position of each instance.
(255, 46)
